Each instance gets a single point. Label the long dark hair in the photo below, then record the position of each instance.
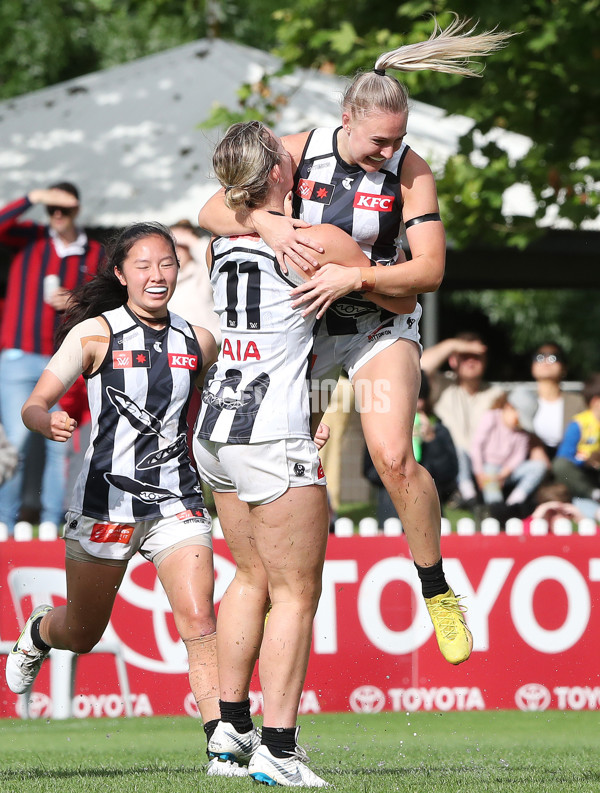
(105, 292)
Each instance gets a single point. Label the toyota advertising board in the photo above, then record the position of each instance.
(533, 608)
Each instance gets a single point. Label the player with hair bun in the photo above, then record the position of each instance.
(363, 178)
(254, 448)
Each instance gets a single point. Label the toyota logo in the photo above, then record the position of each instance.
(367, 699)
(532, 696)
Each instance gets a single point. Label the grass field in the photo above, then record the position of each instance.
(499, 752)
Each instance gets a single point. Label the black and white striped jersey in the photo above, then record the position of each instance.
(367, 206)
(137, 465)
(258, 389)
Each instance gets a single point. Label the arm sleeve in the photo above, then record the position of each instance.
(12, 233)
(568, 446)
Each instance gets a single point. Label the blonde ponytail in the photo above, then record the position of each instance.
(447, 50)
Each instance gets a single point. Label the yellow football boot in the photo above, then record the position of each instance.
(453, 637)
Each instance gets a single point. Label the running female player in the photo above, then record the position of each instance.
(137, 490)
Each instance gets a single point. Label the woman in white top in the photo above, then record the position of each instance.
(556, 407)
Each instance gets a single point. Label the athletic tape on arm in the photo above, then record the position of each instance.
(67, 362)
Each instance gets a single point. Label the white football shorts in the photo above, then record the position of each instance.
(116, 543)
(258, 472)
(332, 354)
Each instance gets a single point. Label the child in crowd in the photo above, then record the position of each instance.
(501, 452)
(577, 461)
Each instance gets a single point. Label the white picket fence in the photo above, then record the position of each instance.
(367, 527)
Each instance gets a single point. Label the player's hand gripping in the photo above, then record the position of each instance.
(280, 232)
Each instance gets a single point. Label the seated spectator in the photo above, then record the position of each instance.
(577, 461)
(500, 453)
(463, 401)
(433, 448)
(555, 406)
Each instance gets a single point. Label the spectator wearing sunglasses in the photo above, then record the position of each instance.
(556, 407)
(48, 262)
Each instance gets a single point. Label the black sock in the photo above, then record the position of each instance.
(281, 741)
(209, 728)
(433, 580)
(237, 713)
(36, 638)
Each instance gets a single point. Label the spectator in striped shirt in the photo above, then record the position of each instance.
(49, 261)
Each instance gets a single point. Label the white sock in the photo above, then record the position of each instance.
(467, 490)
(516, 497)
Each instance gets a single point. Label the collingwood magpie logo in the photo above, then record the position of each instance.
(347, 183)
(228, 394)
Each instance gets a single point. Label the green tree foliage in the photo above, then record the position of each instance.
(43, 42)
(531, 317)
(544, 85)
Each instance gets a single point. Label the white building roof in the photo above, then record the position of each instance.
(129, 137)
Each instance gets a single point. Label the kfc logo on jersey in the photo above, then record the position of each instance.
(320, 192)
(128, 359)
(179, 361)
(111, 532)
(378, 203)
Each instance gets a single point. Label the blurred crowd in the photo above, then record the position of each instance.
(530, 450)
(533, 450)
